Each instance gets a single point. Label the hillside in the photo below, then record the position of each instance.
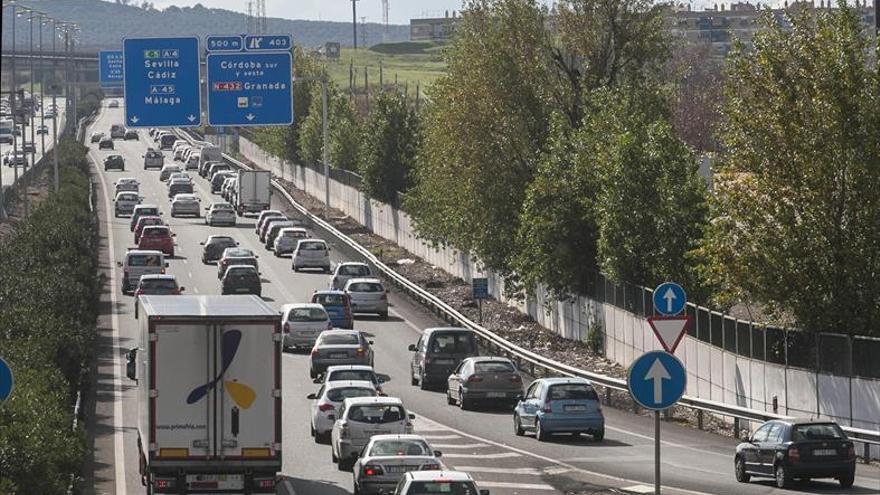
(412, 63)
(104, 24)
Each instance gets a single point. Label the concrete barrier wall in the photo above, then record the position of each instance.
(713, 373)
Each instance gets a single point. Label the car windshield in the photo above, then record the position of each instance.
(824, 431)
(146, 221)
(307, 314)
(292, 233)
(340, 394)
(329, 299)
(147, 211)
(339, 339)
(494, 367)
(354, 270)
(145, 260)
(153, 154)
(312, 246)
(185, 197)
(223, 206)
(572, 391)
(442, 486)
(371, 287)
(400, 447)
(156, 232)
(449, 343)
(222, 241)
(376, 413)
(158, 284)
(365, 375)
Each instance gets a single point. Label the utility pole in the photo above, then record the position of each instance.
(354, 23)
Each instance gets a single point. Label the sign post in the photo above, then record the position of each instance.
(110, 68)
(480, 291)
(7, 381)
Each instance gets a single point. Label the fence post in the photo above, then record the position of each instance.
(736, 428)
(700, 419)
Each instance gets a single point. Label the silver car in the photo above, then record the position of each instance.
(186, 204)
(220, 214)
(327, 400)
(167, 170)
(339, 347)
(387, 457)
(494, 380)
(302, 323)
(127, 184)
(361, 418)
(311, 253)
(287, 239)
(346, 271)
(125, 202)
(368, 295)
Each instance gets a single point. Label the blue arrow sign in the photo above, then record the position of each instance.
(162, 82)
(7, 382)
(267, 42)
(669, 299)
(250, 89)
(224, 43)
(110, 68)
(656, 380)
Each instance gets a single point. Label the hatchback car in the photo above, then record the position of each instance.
(131, 134)
(42, 129)
(179, 175)
(263, 216)
(368, 295)
(236, 256)
(113, 104)
(106, 143)
(117, 131)
(796, 449)
(311, 253)
(241, 279)
(273, 232)
(439, 352)
(220, 214)
(348, 270)
(186, 204)
(142, 210)
(338, 306)
(267, 224)
(218, 179)
(285, 241)
(96, 137)
(167, 170)
(125, 202)
(138, 263)
(354, 372)
(214, 246)
(327, 400)
(362, 417)
(302, 323)
(335, 347)
(386, 458)
(146, 221)
(559, 405)
(489, 379)
(154, 159)
(127, 184)
(158, 285)
(159, 238)
(114, 161)
(179, 186)
(449, 482)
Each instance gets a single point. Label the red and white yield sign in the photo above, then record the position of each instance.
(669, 329)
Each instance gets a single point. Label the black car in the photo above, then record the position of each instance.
(797, 449)
(114, 161)
(131, 134)
(218, 179)
(117, 131)
(214, 247)
(241, 279)
(28, 147)
(105, 143)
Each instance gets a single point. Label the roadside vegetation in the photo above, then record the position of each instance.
(554, 147)
(48, 296)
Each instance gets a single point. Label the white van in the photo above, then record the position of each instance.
(208, 153)
(138, 263)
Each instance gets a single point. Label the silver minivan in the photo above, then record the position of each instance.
(137, 263)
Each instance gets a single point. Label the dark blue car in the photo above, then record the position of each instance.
(338, 306)
(560, 405)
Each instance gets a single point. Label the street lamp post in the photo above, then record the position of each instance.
(43, 20)
(33, 14)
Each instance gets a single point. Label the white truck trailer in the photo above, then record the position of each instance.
(208, 370)
(253, 191)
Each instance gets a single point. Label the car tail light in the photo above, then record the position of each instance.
(384, 297)
(794, 455)
(373, 470)
(431, 466)
(165, 484)
(474, 379)
(516, 378)
(326, 407)
(315, 353)
(361, 350)
(287, 328)
(851, 452)
(547, 408)
(138, 292)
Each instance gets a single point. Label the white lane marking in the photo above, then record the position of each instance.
(190, 274)
(118, 439)
(460, 446)
(440, 437)
(638, 489)
(184, 261)
(612, 458)
(665, 442)
(196, 290)
(490, 470)
(497, 455)
(521, 486)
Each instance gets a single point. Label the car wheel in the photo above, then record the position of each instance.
(517, 426)
(312, 431)
(295, 268)
(449, 399)
(384, 315)
(463, 402)
(783, 479)
(333, 457)
(312, 374)
(599, 435)
(540, 434)
(412, 378)
(739, 469)
(847, 480)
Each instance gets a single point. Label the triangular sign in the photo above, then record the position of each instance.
(669, 329)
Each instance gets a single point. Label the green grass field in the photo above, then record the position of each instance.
(410, 63)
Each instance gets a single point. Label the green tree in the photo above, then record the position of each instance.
(310, 139)
(388, 147)
(345, 134)
(797, 191)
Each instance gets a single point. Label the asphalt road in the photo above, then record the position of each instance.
(9, 173)
(480, 442)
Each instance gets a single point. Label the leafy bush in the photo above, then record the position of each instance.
(48, 297)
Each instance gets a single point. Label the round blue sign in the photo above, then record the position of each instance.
(669, 299)
(656, 380)
(6, 381)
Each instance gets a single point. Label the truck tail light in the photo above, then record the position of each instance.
(267, 483)
(370, 470)
(474, 379)
(794, 455)
(326, 407)
(165, 484)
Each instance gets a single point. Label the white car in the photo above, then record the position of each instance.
(179, 148)
(167, 170)
(367, 295)
(287, 239)
(387, 457)
(302, 323)
(353, 372)
(125, 202)
(348, 270)
(328, 399)
(127, 184)
(179, 175)
(192, 162)
(220, 214)
(311, 253)
(421, 482)
(361, 418)
(186, 204)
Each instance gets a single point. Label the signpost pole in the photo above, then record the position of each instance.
(656, 452)
(326, 147)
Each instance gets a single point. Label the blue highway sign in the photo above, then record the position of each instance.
(257, 42)
(656, 380)
(110, 68)
(669, 299)
(7, 383)
(162, 82)
(480, 288)
(224, 43)
(250, 89)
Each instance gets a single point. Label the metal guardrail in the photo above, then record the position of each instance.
(450, 314)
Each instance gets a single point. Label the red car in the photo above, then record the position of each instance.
(146, 221)
(158, 237)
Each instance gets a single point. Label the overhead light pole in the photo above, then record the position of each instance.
(43, 20)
